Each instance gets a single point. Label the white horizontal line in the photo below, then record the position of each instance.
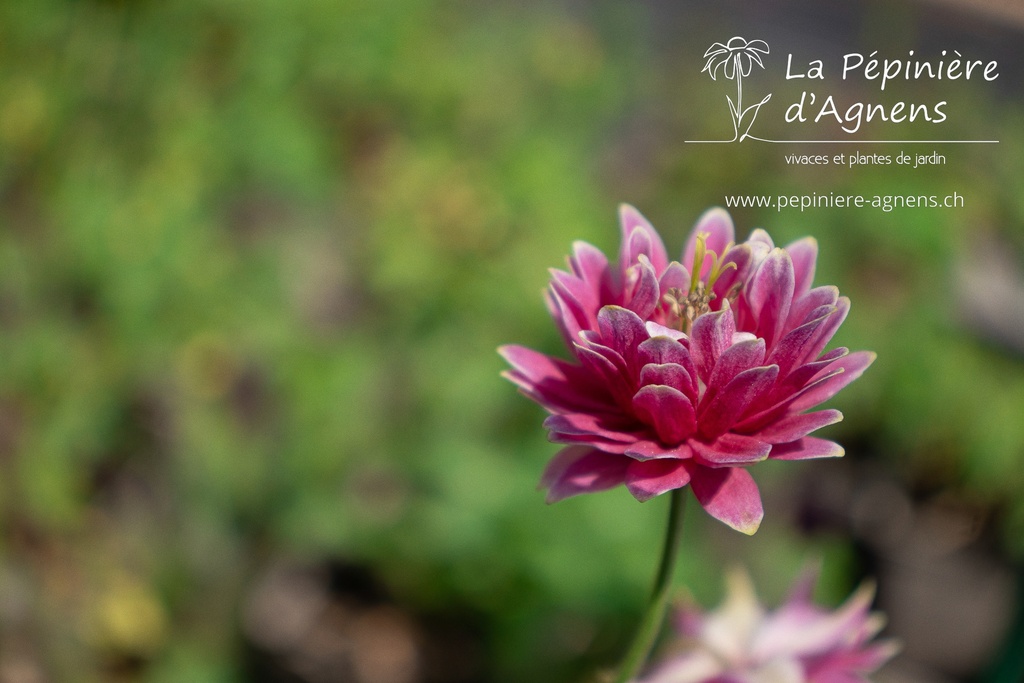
(853, 142)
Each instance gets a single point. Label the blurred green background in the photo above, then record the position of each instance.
(255, 260)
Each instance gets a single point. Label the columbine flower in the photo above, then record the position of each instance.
(798, 643)
(687, 376)
(738, 55)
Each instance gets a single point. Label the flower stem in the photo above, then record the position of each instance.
(650, 625)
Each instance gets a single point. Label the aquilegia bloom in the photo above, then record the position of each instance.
(798, 643)
(687, 372)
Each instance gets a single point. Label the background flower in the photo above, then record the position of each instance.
(741, 642)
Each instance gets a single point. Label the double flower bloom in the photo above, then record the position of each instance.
(688, 372)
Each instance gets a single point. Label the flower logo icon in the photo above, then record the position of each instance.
(736, 59)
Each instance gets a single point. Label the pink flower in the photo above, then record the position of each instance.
(687, 376)
(798, 643)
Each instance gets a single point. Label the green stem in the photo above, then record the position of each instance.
(650, 625)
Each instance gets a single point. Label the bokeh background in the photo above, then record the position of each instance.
(255, 260)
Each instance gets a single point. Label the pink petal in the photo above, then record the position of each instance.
(759, 235)
(577, 469)
(598, 442)
(807, 632)
(642, 294)
(712, 335)
(651, 450)
(743, 256)
(797, 344)
(565, 319)
(623, 331)
(671, 375)
(640, 237)
(796, 426)
(737, 358)
(589, 264)
(601, 362)
(731, 449)
(823, 334)
(662, 351)
(667, 410)
(611, 428)
(579, 301)
(826, 295)
(853, 366)
(730, 495)
(770, 294)
(553, 383)
(778, 403)
(649, 478)
(803, 375)
(806, 448)
(804, 253)
(716, 416)
(676, 276)
(717, 223)
(658, 330)
(863, 660)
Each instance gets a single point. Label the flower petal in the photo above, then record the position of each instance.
(795, 426)
(576, 298)
(804, 254)
(717, 223)
(664, 351)
(651, 450)
(806, 448)
(565, 319)
(799, 312)
(646, 479)
(852, 366)
(608, 427)
(589, 263)
(743, 258)
(553, 383)
(671, 375)
(607, 366)
(667, 410)
(794, 348)
(580, 469)
(640, 237)
(623, 331)
(642, 294)
(770, 294)
(778, 403)
(716, 416)
(823, 334)
(658, 330)
(737, 358)
(711, 336)
(730, 495)
(676, 276)
(730, 450)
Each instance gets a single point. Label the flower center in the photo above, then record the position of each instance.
(685, 306)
